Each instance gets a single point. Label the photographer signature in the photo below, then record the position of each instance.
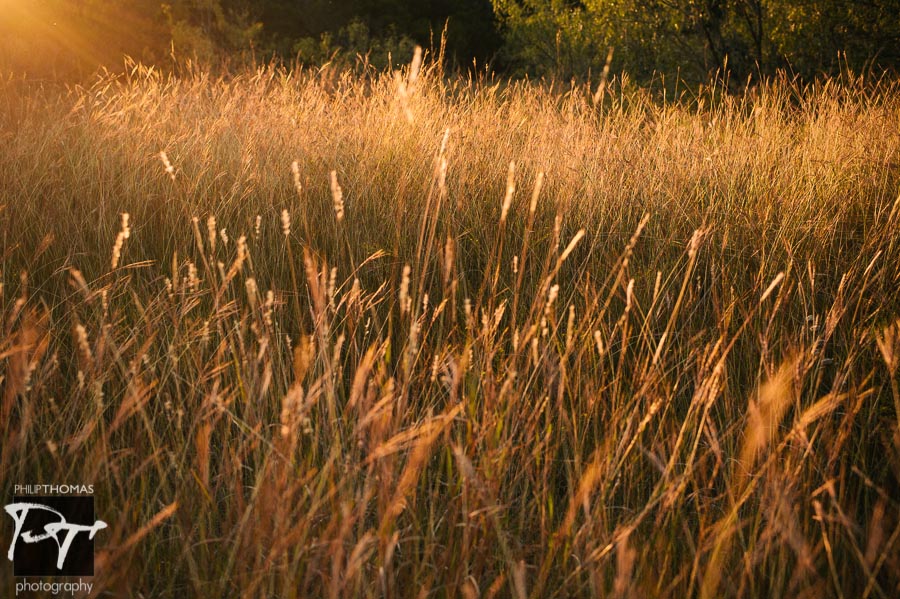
(19, 512)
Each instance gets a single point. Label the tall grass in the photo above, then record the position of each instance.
(315, 333)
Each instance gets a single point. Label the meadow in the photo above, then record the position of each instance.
(325, 333)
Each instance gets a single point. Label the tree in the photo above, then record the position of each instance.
(697, 37)
(206, 28)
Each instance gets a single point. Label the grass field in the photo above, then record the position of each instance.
(316, 333)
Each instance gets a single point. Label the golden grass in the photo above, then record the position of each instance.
(411, 335)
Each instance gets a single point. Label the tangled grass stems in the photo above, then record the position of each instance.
(656, 357)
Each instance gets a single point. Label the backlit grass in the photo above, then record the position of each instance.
(408, 335)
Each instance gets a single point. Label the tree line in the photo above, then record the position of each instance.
(563, 39)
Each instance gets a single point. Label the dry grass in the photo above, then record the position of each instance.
(655, 356)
